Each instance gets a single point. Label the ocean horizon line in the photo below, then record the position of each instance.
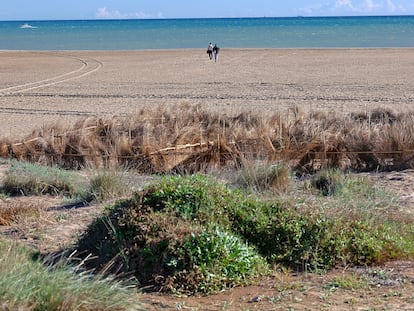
(209, 18)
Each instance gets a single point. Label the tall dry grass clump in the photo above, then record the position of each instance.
(259, 178)
(187, 139)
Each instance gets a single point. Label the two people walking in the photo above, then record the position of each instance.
(213, 51)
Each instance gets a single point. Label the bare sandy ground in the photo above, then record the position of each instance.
(39, 88)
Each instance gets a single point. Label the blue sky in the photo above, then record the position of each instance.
(91, 9)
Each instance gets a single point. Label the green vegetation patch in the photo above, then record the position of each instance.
(193, 234)
(164, 235)
(27, 284)
(32, 179)
(24, 179)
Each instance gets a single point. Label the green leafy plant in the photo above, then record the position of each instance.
(221, 259)
(197, 197)
(151, 233)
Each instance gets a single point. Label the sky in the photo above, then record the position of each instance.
(129, 9)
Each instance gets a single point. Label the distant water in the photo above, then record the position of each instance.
(297, 32)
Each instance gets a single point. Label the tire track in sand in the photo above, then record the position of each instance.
(88, 66)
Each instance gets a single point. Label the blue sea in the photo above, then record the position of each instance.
(295, 32)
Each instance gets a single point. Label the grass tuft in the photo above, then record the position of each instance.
(275, 178)
(105, 186)
(32, 179)
(26, 284)
(350, 282)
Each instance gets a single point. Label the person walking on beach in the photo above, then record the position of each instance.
(216, 51)
(210, 50)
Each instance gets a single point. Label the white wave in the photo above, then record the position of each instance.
(26, 26)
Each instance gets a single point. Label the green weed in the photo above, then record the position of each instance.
(351, 282)
(222, 260)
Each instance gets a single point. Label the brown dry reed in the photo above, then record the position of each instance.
(186, 139)
(16, 211)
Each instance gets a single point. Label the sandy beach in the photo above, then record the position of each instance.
(41, 88)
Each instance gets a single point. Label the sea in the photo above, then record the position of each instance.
(147, 34)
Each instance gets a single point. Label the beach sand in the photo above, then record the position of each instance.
(42, 88)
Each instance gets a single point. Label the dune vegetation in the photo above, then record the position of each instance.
(194, 234)
(188, 139)
(234, 197)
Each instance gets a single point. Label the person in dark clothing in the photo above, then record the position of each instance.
(216, 51)
(210, 50)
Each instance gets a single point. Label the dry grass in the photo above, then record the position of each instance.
(36, 223)
(21, 212)
(188, 139)
(264, 178)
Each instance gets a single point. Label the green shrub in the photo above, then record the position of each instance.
(313, 240)
(180, 235)
(283, 234)
(146, 234)
(198, 198)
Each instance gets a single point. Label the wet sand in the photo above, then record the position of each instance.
(42, 88)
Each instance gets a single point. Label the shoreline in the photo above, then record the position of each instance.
(43, 87)
(204, 48)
